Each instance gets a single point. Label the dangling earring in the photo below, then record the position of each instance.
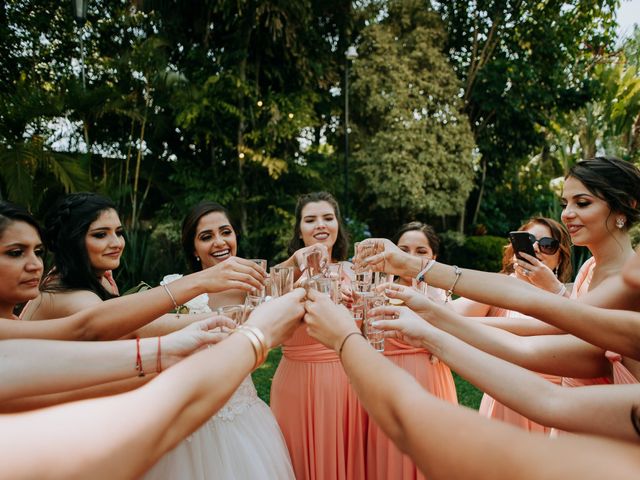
(555, 272)
(620, 221)
(197, 259)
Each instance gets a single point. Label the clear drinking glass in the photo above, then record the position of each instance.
(262, 292)
(374, 335)
(281, 281)
(313, 259)
(250, 304)
(322, 285)
(234, 312)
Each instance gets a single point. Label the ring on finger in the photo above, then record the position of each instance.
(526, 272)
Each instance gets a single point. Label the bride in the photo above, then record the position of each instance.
(243, 440)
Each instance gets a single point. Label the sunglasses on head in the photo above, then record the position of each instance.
(547, 245)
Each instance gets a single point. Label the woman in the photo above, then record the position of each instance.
(320, 417)
(549, 270)
(84, 232)
(137, 427)
(242, 441)
(600, 198)
(384, 460)
(21, 251)
(434, 432)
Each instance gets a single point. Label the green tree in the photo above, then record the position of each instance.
(521, 62)
(413, 145)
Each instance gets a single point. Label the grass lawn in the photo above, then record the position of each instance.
(467, 394)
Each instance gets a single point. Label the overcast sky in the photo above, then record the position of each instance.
(628, 16)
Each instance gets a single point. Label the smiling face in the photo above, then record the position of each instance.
(21, 264)
(415, 243)
(588, 218)
(215, 239)
(105, 242)
(319, 224)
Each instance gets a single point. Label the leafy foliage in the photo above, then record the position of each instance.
(413, 144)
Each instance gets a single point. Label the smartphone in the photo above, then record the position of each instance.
(521, 242)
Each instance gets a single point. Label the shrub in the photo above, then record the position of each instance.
(476, 252)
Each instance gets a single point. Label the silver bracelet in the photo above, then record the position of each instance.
(458, 273)
(175, 304)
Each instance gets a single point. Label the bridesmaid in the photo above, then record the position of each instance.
(384, 459)
(84, 232)
(318, 412)
(551, 274)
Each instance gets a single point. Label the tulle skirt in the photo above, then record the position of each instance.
(241, 442)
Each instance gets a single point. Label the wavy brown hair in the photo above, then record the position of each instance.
(558, 232)
(340, 248)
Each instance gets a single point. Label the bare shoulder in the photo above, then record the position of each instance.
(62, 304)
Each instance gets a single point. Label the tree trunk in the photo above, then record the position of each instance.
(483, 178)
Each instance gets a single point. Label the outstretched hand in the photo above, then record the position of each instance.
(233, 273)
(300, 254)
(419, 303)
(327, 322)
(279, 317)
(402, 324)
(182, 343)
(382, 255)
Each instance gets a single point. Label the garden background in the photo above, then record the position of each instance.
(461, 114)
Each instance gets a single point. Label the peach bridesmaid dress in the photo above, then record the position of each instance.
(384, 459)
(491, 408)
(322, 421)
(580, 288)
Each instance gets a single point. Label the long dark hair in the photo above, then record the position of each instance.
(426, 229)
(11, 213)
(615, 181)
(341, 247)
(66, 226)
(190, 225)
(563, 271)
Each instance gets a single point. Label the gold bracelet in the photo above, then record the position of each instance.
(255, 344)
(264, 350)
(344, 340)
(458, 273)
(257, 340)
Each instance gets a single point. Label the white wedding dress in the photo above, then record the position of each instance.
(240, 442)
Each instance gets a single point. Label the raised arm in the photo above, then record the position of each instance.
(563, 355)
(57, 366)
(611, 330)
(602, 409)
(137, 427)
(433, 432)
(117, 317)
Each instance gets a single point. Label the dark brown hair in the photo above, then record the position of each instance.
(190, 224)
(426, 229)
(340, 248)
(615, 181)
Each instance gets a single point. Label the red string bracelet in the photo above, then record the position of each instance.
(159, 358)
(139, 359)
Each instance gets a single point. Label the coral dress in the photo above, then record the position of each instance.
(491, 408)
(580, 288)
(384, 459)
(240, 442)
(319, 414)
